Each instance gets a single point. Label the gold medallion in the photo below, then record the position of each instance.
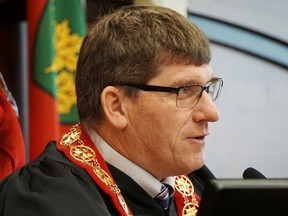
(189, 210)
(184, 185)
(82, 153)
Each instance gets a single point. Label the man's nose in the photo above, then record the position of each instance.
(206, 109)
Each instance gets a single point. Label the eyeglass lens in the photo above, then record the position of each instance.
(189, 96)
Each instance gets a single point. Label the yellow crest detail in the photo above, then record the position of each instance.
(67, 48)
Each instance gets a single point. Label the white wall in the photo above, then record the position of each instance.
(253, 128)
(254, 102)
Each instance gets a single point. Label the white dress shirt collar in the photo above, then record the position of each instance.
(143, 178)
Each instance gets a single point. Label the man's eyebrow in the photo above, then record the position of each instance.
(214, 78)
(183, 82)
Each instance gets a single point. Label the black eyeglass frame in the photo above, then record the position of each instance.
(175, 90)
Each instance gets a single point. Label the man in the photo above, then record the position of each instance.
(145, 93)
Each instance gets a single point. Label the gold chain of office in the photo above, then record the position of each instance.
(87, 156)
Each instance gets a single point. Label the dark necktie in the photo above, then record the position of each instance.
(163, 197)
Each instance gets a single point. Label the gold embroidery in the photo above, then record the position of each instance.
(185, 187)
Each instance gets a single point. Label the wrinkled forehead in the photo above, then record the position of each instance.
(179, 74)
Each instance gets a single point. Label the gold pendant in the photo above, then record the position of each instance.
(185, 187)
(189, 210)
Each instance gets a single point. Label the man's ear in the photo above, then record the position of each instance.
(113, 107)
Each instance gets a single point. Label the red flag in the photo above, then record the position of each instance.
(55, 32)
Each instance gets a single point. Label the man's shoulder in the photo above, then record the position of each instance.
(50, 185)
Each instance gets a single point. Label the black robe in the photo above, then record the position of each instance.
(53, 186)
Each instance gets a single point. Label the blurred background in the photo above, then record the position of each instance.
(249, 40)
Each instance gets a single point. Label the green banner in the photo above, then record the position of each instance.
(57, 44)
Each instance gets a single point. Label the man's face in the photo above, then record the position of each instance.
(164, 139)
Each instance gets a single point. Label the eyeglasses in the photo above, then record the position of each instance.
(188, 95)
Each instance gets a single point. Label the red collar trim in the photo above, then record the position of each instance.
(88, 157)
